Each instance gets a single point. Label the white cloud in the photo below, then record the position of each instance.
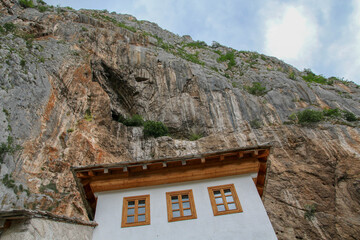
(291, 34)
(346, 50)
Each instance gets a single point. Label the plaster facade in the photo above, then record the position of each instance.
(251, 224)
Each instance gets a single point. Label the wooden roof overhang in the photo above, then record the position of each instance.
(123, 175)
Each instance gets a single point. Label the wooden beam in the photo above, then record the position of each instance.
(222, 157)
(179, 174)
(82, 175)
(91, 173)
(240, 155)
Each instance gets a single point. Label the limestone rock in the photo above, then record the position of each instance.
(64, 87)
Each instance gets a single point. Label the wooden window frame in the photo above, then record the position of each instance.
(126, 200)
(181, 208)
(224, 201)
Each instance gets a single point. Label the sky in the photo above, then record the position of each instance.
(323, 36)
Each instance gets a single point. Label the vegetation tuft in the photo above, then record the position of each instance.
(135, 121)
(50, 186)
(256, 124)
(195, 136)
(310, 211)
(26, 3)
(256, 89)
(308, 116)
(9, 27)
(312, 77)
(114, 21)
(229, 56)
(88, 116)
(8, 148)
(155, 129)
(197, 44)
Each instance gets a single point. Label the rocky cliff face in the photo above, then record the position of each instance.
(66, 76)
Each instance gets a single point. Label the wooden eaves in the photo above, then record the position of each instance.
(123, 175)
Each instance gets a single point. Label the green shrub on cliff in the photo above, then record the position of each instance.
(26, 3)
(309, 116)
(155, 129)
(256, 89)
(229, 56)
(349, 116)
(135, 121)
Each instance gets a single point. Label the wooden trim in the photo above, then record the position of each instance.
(224, 201)
(181, 207)
(173, 175)
(136, 199)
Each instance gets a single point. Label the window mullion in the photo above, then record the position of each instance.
(224, 199)
(181, 206)
(136, 211)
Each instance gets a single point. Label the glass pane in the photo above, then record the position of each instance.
(130, 219)
(186, 205)
(141, 210)
(221, 208)
(176, 214)
(174, 198)
(141, 218)
(218, 200)
(175, 206)
(185, 197)
(217, 193)
(131, 203)
(187, 212)
(232, 206)
(229, 199)
(227, 191)
(131, 211)
(141, 203)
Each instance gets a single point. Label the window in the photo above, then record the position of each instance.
(224, 199)
(136, 211)
(180, 205)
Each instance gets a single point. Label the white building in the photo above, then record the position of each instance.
(209, 196)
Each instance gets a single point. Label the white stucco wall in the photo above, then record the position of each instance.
(252, 224)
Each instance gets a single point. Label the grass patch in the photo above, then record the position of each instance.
(229, 56)
(26, 3)
(189, 57)
(114, 21)
(88, 116)
(50, 186)
(256, 124)
(155, 129)
(332, 113)
(349, 116)
(312, 77)
(310, 211)
(310, 116)
(291, 75)
(9, 27)
(135, 121)
(256, 89)
(42, 8)
(8, 147)
(197, 44)
(195, 136)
